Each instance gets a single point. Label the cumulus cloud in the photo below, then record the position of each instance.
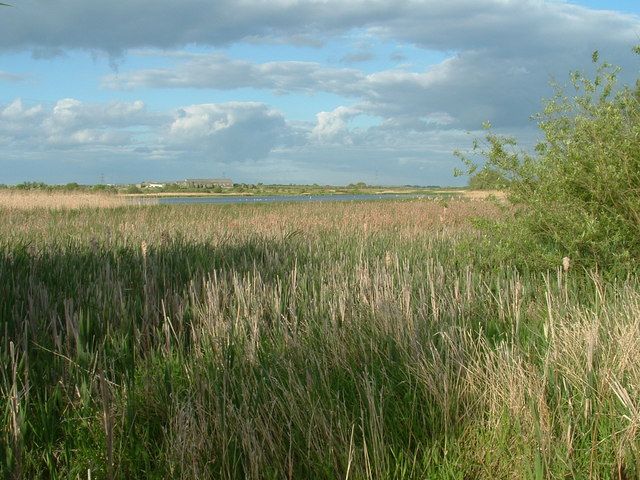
(17, 111)
(71, 113)
(229, 131)
(71, 122)
(332, 126)
(246, 140)
(202, 134)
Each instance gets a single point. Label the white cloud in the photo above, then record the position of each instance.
(16, 111)
(71, 122)
(332, 126)
(228, 132)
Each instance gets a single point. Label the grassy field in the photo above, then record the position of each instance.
(356, 341)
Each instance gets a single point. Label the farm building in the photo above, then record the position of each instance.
(150, 184)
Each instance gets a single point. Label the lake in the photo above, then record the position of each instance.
(290, 198)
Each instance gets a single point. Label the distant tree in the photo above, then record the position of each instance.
(103, 188)
(32, 186)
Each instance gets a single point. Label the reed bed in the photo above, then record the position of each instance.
(33, 199)
(357, 341)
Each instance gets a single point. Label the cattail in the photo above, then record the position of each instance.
(565, 264)
(94, 245)
(443, 215)
(388, 259)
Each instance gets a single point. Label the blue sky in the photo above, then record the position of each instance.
(283, 91)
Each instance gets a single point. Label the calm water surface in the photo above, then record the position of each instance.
(289, 198)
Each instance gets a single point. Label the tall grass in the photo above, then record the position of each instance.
(56, 200)
(369, 340)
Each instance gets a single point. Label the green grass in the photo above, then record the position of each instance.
(351, 341)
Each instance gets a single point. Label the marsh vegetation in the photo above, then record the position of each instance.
(369, 340)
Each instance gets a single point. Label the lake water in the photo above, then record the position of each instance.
(289, 198)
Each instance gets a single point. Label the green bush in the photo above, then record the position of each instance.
(578, 195)
(487, 179)
(72, 186)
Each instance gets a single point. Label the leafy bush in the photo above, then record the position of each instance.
(579, 194)
(73, 186)
(487, 179)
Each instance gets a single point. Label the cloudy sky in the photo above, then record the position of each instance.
(283, 91)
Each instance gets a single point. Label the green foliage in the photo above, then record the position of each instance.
(71, 187)
(579, 194)
(32, 186)
(103, 188)
(487, 179)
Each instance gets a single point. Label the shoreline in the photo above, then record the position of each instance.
(279, 194)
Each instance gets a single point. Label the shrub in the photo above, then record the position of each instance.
(72, 186)
(579, 194)
(487, 179)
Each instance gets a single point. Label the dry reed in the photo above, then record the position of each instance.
(28, 200)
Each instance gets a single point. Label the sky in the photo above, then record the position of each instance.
(284, 91)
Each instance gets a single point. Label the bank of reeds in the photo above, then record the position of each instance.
(56, 200)
(370, 340)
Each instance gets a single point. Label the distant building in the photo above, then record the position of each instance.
(152, 185)
(206, 183)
